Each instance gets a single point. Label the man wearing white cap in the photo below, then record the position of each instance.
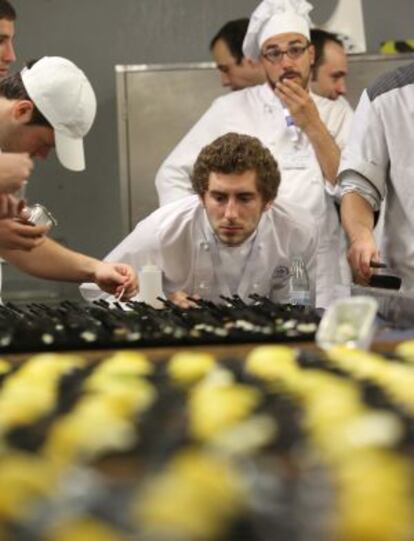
(51, 104)
(14, 168)
(305, 132)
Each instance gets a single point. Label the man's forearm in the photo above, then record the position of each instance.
(326, 150)
(53, 261)
(306, 116)
(358, 221)
(357, 216)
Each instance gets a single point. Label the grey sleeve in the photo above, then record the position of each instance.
(351, 181)
(365, 160)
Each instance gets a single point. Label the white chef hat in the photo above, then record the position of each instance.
(274, 17)
(65, 97)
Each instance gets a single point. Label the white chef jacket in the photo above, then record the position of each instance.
(179, 240)
(258, 112)
(379, 161)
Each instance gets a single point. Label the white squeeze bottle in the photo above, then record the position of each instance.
(150, 285)
(299, 283)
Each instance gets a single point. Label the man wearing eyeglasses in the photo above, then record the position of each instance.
(304, 132)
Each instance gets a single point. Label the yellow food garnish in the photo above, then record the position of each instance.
(270, 363)
(406, 350)
(4, 367)
(374, 498)
(195, 498)
(215, 408)
(49, 366)
(88, 529)
(23, 480)
(127, 363)
(23, 404)
(90, 433)
(30, 392)
(188, 368)
(362, 364)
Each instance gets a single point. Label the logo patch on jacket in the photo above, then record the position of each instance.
(281, 274)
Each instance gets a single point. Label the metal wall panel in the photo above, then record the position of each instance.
(157, 105)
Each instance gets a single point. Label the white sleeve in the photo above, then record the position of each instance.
(342, 125)
(173, 180)
(366, 152)
(339, 126)
(351, 181)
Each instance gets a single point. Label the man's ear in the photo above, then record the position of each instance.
(22, 111)
(312, 54)
(268, 205)
(252, 63)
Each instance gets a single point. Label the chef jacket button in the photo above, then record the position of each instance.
(255, 286)
(202, 285)
(205, 246)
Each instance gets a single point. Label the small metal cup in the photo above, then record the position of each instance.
(39, 215)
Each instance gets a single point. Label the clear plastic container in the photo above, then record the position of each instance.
(150, 285)
(348, 322)
(39, 215)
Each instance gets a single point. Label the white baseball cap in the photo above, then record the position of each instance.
(65, 97)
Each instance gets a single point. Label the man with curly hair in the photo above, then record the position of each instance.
(304, 132)
(232, 237)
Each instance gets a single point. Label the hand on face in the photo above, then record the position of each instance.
(118, 279)
(15, 169)
(299, 102)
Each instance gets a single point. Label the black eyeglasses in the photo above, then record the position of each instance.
(274, 56)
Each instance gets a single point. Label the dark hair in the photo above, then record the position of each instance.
(232, 33)
(7, 11)
(12, 88)
(237, 153)
(319, 38)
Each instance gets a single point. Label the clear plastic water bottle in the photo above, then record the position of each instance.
(299, 283)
